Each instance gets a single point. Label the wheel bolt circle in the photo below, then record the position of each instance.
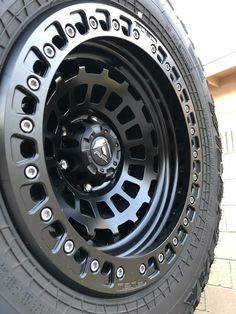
(69, 246)
(31, 172)
(161, 257)
(33, 83)
(94, 266)
(49, 51)
(70, 31)
(46, 214)
(26, 126)
(142, 269)
(120, 272)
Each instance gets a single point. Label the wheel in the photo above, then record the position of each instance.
(110, 160)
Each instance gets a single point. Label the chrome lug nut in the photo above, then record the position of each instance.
(142, 269)
(33, 83)
(136, 34)
(64, 165)
(179, 87)
(153, 48)
(120, 272)
(167, 65)
(175, 241)
(94, 266)
(187, 109)
(93, 22)
(185, 221)
(26, 126)
(31, 172)
(49, 51)
(161, 257)
(69, 247)
(195, 177)
(46, 214)
(116, 25)
(192, 131)
(192, 200)
(88, 188)
(195, 154)
(70, 31)
(95, 119)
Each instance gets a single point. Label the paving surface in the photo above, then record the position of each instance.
(219, 296)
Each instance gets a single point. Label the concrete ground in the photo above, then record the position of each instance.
(219, 296)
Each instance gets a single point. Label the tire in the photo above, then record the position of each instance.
(110, 160)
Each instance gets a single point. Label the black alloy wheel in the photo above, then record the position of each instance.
(110, 160)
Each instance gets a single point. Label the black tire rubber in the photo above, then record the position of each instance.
(28, 287)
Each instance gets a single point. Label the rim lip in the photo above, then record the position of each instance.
(4, 157)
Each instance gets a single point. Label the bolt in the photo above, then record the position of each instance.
(167, 65)
(95, 266)
(179, 87)
(64, 131)
(64, 165)
(115, 163)
(117, 145)
(115, 25)
(102, 170)
(161, 257)
(69, 246)
(136, 34)
(105, 131)
(88, 188)
(46, 214)
(120, 273)
(95, 119)
(26, 126)
(175, 241)
(70, 31)
(195, 154)
(31, 172)
(49, 51)
(187, 109)
(33, 83)
(192, 200)
(93, 22)
(153, 48)
(185, 221)
(192, 131)
(195, 177)
(142, 269)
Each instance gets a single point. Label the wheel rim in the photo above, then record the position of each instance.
(133, 205)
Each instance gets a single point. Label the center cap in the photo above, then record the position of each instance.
(101, 151)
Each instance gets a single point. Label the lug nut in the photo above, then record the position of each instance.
(142, 269)
(192, 200)
(153, 48)
(64, 165)
(69, 246)
(88, 188)
(185, 221)
(120, 273)
(195, 177)
(70, 31)
(93, 22)
(49, 51)
(115, 163)
(115, 25)
(195, 154)
(136, 34)
(187, 109)
(161, 257)
(95, 119)
(175, 241)
(26, 126)
(167, 65)
(33, 83)
(46, 214)
(31, 172)
(179, 87)
(95, 266)
(192, 131)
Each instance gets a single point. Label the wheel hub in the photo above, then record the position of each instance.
(95, 152)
